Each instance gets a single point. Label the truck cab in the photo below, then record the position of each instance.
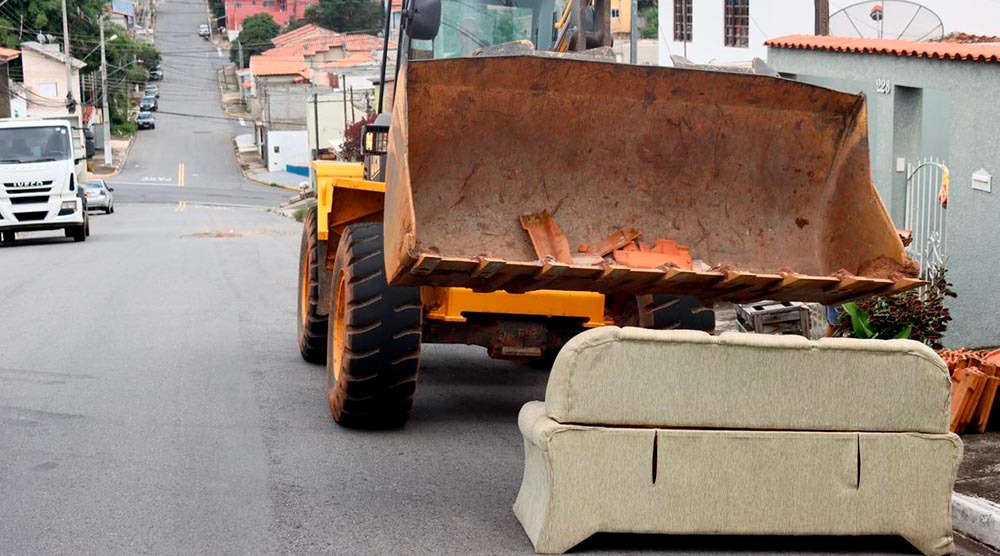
(41, 162)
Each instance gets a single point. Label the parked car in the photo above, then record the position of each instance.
(98, 196)
(156, 74)
(148, 104)
(204, 31)
(153, 90)
(146, 120)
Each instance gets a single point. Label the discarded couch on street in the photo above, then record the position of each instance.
(682, 432)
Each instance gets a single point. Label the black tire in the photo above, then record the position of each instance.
(86, 225)
(6, 237)
(373, 349)
(312, 326)
(669, 312)
(78, 233)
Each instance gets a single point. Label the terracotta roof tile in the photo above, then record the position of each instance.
(305, 32)
(263, 66)
(8, 53)
(937, 50)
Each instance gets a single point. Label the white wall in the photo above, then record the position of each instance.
(768, 19)
(774, 18)
(292, 146)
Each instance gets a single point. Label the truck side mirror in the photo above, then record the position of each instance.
(424, 19)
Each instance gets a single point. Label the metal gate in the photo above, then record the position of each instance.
(926, 212)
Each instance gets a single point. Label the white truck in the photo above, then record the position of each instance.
(42, 174)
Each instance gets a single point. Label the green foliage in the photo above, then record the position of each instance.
(128, 59)
(299, 214)
(916, 314)
(650, 22)
(124, 128)
(255, 37)
(347, 15)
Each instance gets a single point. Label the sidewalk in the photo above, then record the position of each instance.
(229, 92)
(254, 169)
(119, 154)
(976, 503)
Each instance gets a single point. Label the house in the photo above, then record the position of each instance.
(325, 49)
(621, 17)
(44, 68)
(6, 94)
(282, 11)
(930, 106)
(734, 31)
(121, 12)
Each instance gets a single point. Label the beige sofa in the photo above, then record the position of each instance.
(682, 432)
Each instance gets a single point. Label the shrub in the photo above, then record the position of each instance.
(921, 310)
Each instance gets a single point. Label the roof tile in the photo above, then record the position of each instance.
(938, 50)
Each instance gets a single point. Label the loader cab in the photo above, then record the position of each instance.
(467, 26)
(375, 147)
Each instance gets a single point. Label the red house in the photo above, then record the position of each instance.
(281, 10)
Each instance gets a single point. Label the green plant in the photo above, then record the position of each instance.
(650, 22)
(255, 37)
(300, 213)
(921, 313)
(861, 324)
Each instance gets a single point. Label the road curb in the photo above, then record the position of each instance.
(976, 518)
(271, 184)
(128, 151)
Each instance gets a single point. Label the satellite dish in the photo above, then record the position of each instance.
(887, 19)
(41, 38)
(48, 38)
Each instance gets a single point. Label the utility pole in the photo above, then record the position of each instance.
(104, 97)
(822, 19)
(239, 45)
(634, 33)
(70, 103)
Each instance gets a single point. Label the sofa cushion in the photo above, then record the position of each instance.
(690, 379)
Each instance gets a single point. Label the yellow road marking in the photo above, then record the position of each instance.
(181, 205)
(180, 174)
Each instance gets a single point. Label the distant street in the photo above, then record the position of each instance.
(189, 156)
(153, 399)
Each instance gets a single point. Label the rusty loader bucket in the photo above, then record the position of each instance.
(520, 173)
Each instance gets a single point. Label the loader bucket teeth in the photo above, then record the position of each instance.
(766, 181)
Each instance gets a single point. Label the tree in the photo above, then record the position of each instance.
(346, 15)
(255, 37)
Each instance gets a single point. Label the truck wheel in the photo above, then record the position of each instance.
(78, 233)
(6, 237)
(666, 312)
(312, 327)
(373, 348)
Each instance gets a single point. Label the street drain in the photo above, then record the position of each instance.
(230, 233)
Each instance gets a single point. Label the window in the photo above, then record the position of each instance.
(238, 5)
(268, 3)
(615, 13)
(682, 20)
(737, 23)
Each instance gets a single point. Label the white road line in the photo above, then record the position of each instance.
(243, 123)
(219, 51)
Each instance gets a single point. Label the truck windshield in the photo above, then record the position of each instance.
(468, 25)
(21, 145)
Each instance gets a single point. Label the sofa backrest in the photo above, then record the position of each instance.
(659, 378)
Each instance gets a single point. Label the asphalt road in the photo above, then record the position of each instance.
(189, 156)
(153, 401)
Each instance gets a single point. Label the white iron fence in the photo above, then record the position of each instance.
(926, 212)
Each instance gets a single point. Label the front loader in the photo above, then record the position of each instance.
(525, 188)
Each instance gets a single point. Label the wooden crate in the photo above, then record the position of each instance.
(774, 317)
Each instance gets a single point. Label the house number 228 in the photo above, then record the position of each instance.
(883, 86)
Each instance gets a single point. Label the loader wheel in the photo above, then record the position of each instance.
(667, 312)
(373, 346)
(312, 327)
